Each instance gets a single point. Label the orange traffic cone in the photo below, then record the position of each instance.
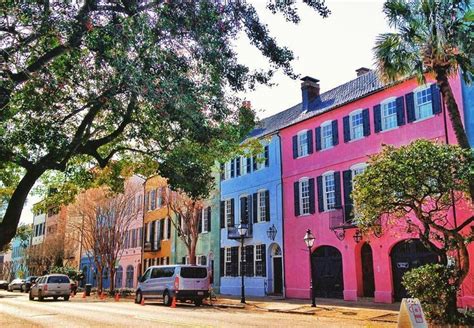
(102, 296)
(143, 301)
(84, 295)
(117, 297)
(173, 302)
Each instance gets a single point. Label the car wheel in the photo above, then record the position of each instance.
(198, 302)
(66, 298)
(55, 298)
(138, 297)
(40, 296)
(31, 297)
(23, 289)
(167, 298)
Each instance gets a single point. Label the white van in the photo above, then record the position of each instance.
(185, 282)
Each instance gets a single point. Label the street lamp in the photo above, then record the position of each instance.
(242, 229)
(309, 241)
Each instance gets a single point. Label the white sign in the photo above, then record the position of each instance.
(411, 314)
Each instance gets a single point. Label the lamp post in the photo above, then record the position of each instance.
(242, 228)
(309, 241)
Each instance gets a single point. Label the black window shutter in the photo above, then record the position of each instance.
(162, 229)
(248, 215)
(410, 103)
(255, 208)
(249, 164)
(243, 210)
(347, 129)
(232, 211)
(310, 141)
(335, 133)
(232, 168)
(222, 214)
(267, 156)
(221, 262)
(400, 111)
(209, 218)
(295, 146)
(254, 160)
(296, 201)
(366, 118)
(337, 188)
(377, 119)
(317, 137)
(267, 205)
(249, 258)
(200, 221)
(264, 261)
(347, 185)
(234, 258)
(222, 171)
(319, 181)
(311, 196)
(237, 166)
(435, 99)
(169, 228)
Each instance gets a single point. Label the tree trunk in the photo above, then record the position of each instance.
(112, 279)
(99, 281)
(455, 117)
(15, 205)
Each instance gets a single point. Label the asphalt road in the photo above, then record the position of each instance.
(17, 311)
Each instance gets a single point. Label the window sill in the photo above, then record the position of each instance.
(423, 119)
(329, 148)
(303, 156)
(330, 210)
(303, 215)
(354, 140)
(387, 130)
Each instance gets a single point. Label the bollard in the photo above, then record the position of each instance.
(143, 301)
(117, 297)
(84, 295)
(173, 302)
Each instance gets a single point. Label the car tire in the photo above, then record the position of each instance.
(40, 296)
(55, 298)
(31, 297)
(66, 298)
(167, 298)
(198, 302)
(138, 297)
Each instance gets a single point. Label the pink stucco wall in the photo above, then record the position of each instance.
(341, 158)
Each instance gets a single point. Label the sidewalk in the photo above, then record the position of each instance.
(363, 310)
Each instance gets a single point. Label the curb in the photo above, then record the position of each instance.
(234, 306)
(290, 312)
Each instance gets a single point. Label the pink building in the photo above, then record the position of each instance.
(331, 138)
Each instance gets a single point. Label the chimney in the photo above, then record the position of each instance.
(309, 90)
(362, 71)
(247, 104)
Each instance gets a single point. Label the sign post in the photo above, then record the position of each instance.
(411, 314)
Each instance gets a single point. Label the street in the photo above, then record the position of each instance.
(17, 311)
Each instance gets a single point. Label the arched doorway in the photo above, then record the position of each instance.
(277, 264)
(327, 272)
(129, 277)
(407, 255)
(367, 270)
(119, 277)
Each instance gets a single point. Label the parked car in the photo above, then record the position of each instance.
(15, 284)
(3, 284)
(25, 287)
(185, 282)
(51, 285)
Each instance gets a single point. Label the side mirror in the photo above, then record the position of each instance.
(140, 278)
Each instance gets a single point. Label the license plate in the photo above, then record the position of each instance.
(200, 293)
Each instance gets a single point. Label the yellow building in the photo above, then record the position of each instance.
(157, 224)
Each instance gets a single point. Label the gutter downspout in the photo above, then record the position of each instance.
(282, 215)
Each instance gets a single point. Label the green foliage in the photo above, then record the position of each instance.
(415, 177)
(431, 284)
(24, 232)
(71, 272)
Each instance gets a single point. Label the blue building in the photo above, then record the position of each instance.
(251, 192)
(468, 105)
(19, 267)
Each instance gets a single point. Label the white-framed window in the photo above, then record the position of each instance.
(304, 196)
(228, 255)
(153, 199)
(356, 124)
(159, 198)
(227, 169)
(243, 165)
(201, 260)
(326, 135)
(205, 219)
(358, 169)
(302, 143)
(423, 103)
(388, 113)
(228, 212)
(329, 187)
(262, 207)
(187, 260)
(260, 161)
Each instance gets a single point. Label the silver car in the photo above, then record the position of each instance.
(15, 284)
(185, 282)
(52, 285)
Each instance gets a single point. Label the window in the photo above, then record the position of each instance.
(228, 213)
(304, 196)
(358, 169)
(228, 255)
(243, 165)
(202, 260)
(205, 219)
(326, 135)
(260, 260)
(260, 161)
(302, 143)
(423, 106)
(244, 209)
(227, 170)
(262, 206)
(389, 115)
(329, 192)
(356, 121)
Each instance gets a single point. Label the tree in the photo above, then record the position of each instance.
(87, 82)
(433, 37)
(104, 224)
(410, 189)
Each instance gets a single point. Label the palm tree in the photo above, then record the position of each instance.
(433, 36)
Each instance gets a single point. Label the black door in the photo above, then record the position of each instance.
(327, 272)
(367, 270)
(407, 255)
(277, 276)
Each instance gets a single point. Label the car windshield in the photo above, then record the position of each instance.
(58, 280)
(193, 272)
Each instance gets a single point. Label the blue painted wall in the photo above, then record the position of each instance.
(268, 178)
(19, 267)
(90, 276)
(468, 104)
